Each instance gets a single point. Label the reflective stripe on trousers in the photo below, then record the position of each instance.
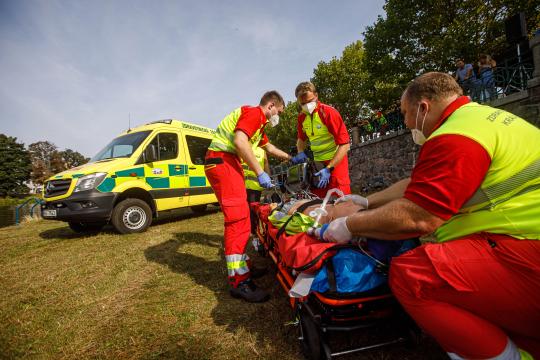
(237, 264)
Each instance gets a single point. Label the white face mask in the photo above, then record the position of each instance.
(309, 107)
(418, 135)
(274, 120)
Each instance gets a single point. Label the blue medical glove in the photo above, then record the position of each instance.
(264, 180)
(299, 158)
(324, 177)
(319, 233)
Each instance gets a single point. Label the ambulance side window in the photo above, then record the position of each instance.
(197, 148)
(167, 145)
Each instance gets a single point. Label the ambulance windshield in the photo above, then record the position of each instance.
(122, 146)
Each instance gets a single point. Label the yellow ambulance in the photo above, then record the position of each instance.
(146, 170)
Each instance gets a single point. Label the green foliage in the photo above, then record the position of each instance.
(425, 35)
(284, 135)
(14, 168)
(341, 83)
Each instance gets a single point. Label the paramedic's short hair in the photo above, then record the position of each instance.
(432, 86)
(303, 88)
(274, 96)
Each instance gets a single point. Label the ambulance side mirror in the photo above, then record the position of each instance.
(150, 154)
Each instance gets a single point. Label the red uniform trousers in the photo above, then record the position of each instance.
(339, 179)
(474, 293)
(227, 181)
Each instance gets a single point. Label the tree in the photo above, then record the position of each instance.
(41, 154)
(72, 158)
(47, 160)
(284, 135)
(341, 82)
(419, 35)
(15, 166)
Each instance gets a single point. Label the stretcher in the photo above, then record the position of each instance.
(325, 319)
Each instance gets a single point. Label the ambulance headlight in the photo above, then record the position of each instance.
(89, 182)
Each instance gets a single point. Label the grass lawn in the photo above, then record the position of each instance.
(160, 294)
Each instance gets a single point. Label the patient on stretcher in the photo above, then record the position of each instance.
(303, 206)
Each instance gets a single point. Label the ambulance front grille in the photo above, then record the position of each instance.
(57, 187)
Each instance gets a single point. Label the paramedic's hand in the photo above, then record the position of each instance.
(337, 231)
(357, 199)
(324, 177)
(264, 180)
(299, 158)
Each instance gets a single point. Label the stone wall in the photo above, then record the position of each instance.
(525, 104)
(376, 164)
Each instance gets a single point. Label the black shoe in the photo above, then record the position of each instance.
(248, 291)
(256, 272)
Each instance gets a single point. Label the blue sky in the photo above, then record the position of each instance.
(72, 71)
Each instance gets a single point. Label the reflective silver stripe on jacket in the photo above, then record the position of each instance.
(516, 181)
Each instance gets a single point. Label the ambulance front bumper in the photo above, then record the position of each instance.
(84, 206)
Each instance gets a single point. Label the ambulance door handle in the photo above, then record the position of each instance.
(193, 168)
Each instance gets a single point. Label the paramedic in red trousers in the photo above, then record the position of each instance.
(323, 126)
(235, 136)
(476, 189)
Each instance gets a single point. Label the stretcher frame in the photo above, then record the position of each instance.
(319, 316)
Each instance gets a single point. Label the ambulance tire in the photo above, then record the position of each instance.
(81, 227)
(131, 216)
(199, 209)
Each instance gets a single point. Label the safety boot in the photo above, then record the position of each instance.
(248, 291)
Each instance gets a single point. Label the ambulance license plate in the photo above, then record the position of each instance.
(49, 213)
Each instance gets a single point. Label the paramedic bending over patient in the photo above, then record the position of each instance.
(323, 126)
(476, 186)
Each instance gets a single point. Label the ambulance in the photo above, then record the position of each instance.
(143, 172)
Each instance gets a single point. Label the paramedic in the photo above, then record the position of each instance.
(323, 126)
(476, 187)
(234, 139)
(254, 189)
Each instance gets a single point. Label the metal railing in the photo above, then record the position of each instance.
(499, 83)
(374, 128)
(26, 203)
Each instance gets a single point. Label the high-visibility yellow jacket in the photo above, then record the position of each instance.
(322, 141)
(508, 200)
(224, 137)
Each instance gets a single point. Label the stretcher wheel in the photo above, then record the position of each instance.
(311, 338)
(410, 330)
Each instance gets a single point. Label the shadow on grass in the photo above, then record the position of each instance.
(65, 233)
(265, 322)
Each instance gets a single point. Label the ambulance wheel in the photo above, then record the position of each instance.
(199, 209)
(131, 216)
(310, 337)
(81, 227)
